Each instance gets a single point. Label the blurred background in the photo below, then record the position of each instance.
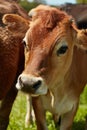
(28, 4)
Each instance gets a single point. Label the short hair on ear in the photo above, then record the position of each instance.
(15, 23)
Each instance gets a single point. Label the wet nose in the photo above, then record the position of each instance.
(29, 83)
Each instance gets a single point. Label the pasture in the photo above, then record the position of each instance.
(17, 115)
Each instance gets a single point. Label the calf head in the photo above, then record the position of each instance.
(49, 44)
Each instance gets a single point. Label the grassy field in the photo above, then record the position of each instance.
(17, 117)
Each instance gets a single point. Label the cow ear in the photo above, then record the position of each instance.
(80, 37)
(16, 23)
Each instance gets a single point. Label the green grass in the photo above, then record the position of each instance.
(17, 116)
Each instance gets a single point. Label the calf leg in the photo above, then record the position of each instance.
(39, 113)
(67, 119)
(30, 113)
(57, 120)
(5, 108)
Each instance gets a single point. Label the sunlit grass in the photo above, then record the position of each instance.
(17, 117)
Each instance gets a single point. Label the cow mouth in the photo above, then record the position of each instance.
(28, 90)
(34, 92)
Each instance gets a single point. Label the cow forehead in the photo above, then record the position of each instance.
(41, 35)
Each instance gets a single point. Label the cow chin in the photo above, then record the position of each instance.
(41, 91)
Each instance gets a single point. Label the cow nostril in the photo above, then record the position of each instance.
(37, 84)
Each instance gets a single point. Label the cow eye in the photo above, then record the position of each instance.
(62, 50)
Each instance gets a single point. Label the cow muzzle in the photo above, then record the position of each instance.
(31, 84)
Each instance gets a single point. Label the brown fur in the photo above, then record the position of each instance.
(11, 55)
(11, 60)
(57, 78)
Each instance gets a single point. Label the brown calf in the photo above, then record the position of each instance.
(55, 64)
(11, 60)
(79, 12)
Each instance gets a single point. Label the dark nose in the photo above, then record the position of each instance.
(37, 84)
(29, 84)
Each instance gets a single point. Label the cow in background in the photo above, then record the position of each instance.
(78, 11)
(55, 64)
(11, 59)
